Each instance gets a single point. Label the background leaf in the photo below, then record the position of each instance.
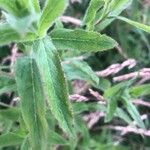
(7, 83)
(10, 113)
(116, 7)
(140, 90)
(9, 35)
(10, 139)
(80, 70)
(135, 24)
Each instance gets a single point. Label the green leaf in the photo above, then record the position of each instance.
(17, 8)
(54, 82)
(10, 139)
(23, 24)
(133, 112)
(113, 95)
(80, 70)
(9, 6)
(119, 5)
(54, 138)
(36, 6)
(9, 35)
(90, 14)
(123, 115)
(140, 90)
(116, 7)
(82, 41)
(135, 24)
(7, 84)
(10, 113)
(25, 145)
(52, 10)
(111, 109)
(32, 101)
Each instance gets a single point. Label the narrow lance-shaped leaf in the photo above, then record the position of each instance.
(140, 90)
(111, 108)
(10, 139)
(82, 41)
(7, 83)
(10, 113)
(18, 8)
(116, 7)
(32, 101)
(9, 6)
(141, 26)
(36, 6)
(52, 10)
(133, 111)
(25, 144)
(54, 82)
(90, 15)
(9, 35)
(81, 70)
(112, 95)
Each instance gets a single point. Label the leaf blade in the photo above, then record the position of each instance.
(32, 103)
(48, 15)
(141, 26)
(49, 63)
(83, 41)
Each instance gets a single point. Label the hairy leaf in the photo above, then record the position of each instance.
(9, 35)
(10, 139)
(54, 82)
(25, 145)
(32, 101)
(133, 112)
(80, 70)
(136, 24)
(10, 113)
(140, 90)
(52, 10)
(90, 14)
(116, 7)
(36, 6)
(7, 84)
(17, 8)
(55, 138)
(82, 41)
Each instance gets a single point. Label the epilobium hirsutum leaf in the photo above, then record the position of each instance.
(54, 82)
(80, 70)
(116, 7)
(140, 90)
(82, 41)
(7, 84)
(9, 6)
(32, 101)
(141, 26)
(133, 111)
(10, 113)
(36, 6)
(90, 15)
(9, 35)
(10, 139)
(52, 10)
(18, 8)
